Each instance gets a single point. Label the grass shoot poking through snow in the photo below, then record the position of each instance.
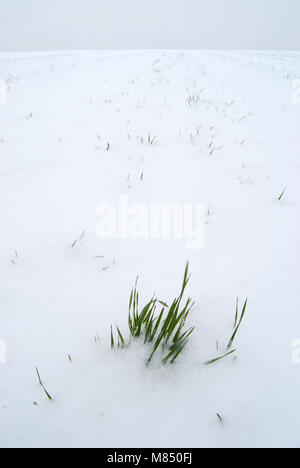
(219, 358)
(42, 385)
(78, 240)
(163, 329)
(237, 323)
(236, 313)
(280, 197)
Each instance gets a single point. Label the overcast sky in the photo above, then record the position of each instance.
(135, 24)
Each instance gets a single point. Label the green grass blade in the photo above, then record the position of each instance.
(238, 325)
(183, 317)
(120, 336)
(157, 325)
(163, 304)
(179, 352)
(173, 352)
(42, 385)
(279, 198)
(186, 279)
(185, 335)
(130, 300)
(163, 330)
(149, 327)
(130, 325)
(236, 313)
(219, 358)
(112, 341)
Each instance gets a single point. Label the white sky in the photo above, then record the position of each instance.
(127, 24)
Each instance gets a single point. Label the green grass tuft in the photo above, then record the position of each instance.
(161, 326)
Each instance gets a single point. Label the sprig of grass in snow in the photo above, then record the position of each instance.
(193, 100)
(236, 313)
(166, 329)
(42, 385)
(14, 259)
(121, 341)
(152, 140)
(237, 323)
(208, 363)
(280, 197)
(112, 341)
(97, 339)
(78, 240)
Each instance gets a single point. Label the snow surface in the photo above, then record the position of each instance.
(54, 171)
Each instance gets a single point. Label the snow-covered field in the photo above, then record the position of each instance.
(74, 134)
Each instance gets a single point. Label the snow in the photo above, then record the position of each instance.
(55, 300)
